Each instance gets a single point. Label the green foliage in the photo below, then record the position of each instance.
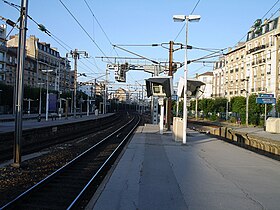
(220, 105)
(7, 97)
(211, 107)
(213, 117)
(238, 104)
(255, 111)
(207, 106)
(277, 106)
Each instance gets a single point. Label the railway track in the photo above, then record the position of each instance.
(31, 145)
(73, 184)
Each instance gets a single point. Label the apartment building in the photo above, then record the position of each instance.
(234, 71)
(11, 66)
(207, 78)
(40, 56)
(218, 88)
(262, 57)
(251, 66)
(92, 89)
(122, 95)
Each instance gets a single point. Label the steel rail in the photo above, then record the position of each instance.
(60, 170)
(102, 167)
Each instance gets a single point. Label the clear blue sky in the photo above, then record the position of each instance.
(222, 25)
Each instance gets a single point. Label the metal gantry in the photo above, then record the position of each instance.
(76, 55)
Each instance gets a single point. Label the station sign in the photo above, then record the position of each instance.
(267, 100)
(174, 98)
(266, 95)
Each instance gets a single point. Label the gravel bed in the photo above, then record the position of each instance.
(13, 181)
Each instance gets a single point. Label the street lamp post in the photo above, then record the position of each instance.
(47, 96)
(247, 99)
(40, 101)
(181, 18)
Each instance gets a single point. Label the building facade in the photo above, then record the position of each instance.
(218, 88)
(206, 78)
(262, 57)
(234, 71)
(252, 66)
(122, 95)
(39, 56)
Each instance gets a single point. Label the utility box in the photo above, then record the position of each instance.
(273, 125)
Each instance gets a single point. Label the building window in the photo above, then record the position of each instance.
(268, 69)
(269, 54)
(271, 25)
(263, 41)
(271, 41)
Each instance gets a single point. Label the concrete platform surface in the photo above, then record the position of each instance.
(157, 173)
(31, 124)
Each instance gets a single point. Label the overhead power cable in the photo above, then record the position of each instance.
(99, 25)
(263, 17)
(195, 7)
(82, 27)
(98, 22)
(17, 7)
(133, 53)
(270, 9)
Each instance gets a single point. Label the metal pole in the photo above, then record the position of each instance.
(247, 102)
(59, 114)
(177, 107)
(161, 118)
(104, 99)
(170, 73)
(20, 83)
(185, 108)
(227, 110)
(47, 98)
(196, 107)
(66, 108)
(87, 105)
(40, 102)
(265, 108)
(75, 55)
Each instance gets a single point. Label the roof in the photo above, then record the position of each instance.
(208, 73)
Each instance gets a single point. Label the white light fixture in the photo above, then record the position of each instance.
(182, 18)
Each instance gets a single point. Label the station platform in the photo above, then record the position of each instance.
(9, 126)
(155, 172)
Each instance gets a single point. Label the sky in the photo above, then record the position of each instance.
(136, 25)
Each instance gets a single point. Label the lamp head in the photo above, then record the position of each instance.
(194, 18)
(179, 18)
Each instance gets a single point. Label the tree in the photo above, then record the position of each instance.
(277, 106)
(207, 106)
(220, 105)
(238, 107)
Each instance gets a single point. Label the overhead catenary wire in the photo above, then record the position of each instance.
(77, 21)
(262, 18)
(94, 16)
(17, 7)
(50, 34)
